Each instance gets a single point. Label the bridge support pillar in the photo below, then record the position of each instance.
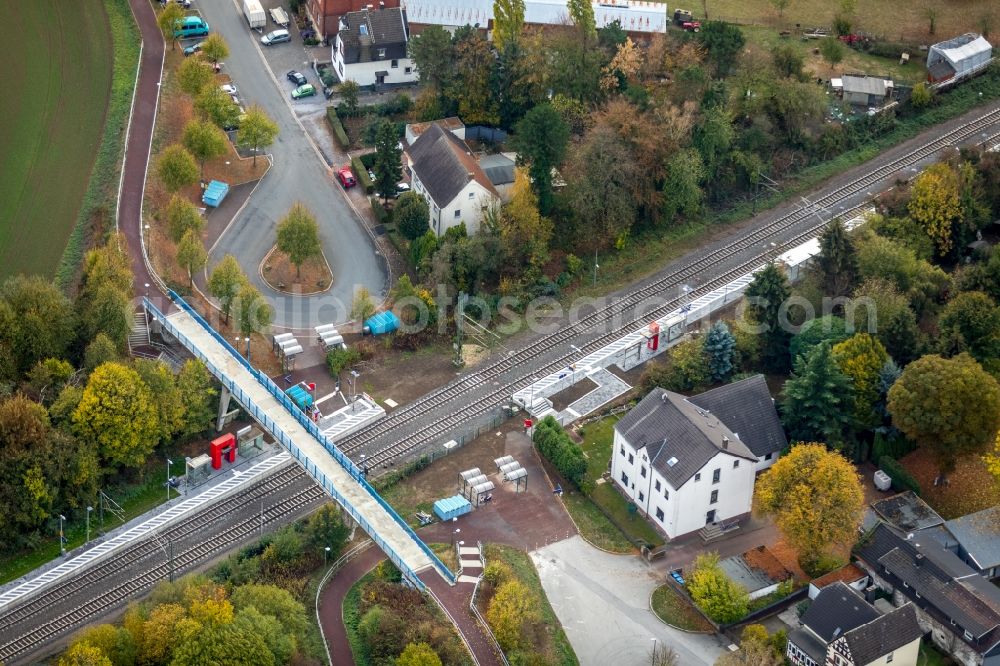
(224, 398)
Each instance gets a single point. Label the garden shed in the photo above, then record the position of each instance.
(452, 507)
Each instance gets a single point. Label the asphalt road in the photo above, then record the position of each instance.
(298, 174)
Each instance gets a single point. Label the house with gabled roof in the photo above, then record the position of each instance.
(955, 604)
(445, 172)
(371, 48)
(684, 466)
(977, 540)
(841, 628)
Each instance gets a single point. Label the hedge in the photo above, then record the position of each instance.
(901, 479)
(895, 446)
(338, 127)
(362, 175)
(559, 449)
(381, 214)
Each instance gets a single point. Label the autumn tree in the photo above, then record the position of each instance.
(167, 20)
(880, 307)
(540, 139)
(581, 12)
(970, 323)
(298, 237)
(257, 130)
(510, 609)
(475, 68)
(508, 21)
(191, 254)
(921, 96)
(118, 415)
(419, 654)
(181, 216)
(215, 105)
(861, 359)
(721, 598)
(623, 68)
(198, 395)
(204, 141)
(176, 167)
(411, 215)
(524, 233)
(275, 602)
(818, 399)
(755, 650)
(101, 350)
(225, 281)
(935, 205)
(348, 91)
(362, 306)
(85, 654)
(254, 314)
(816, 500)
(837, 259)
(214, 48)
(37, 321)
(951, 407)
(388, 168)
(194, 75)
(162, 384)
(720, 350)
(766, 297)
(105, 298)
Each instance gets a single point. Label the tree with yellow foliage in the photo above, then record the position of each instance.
(624, 66)
(418, 654)
(722, 599)
(816, 500)
(935, 204)
(117, 415)
(84, 654)
(861, 359)
(511, 607)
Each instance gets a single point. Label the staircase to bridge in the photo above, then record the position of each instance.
(328, 466)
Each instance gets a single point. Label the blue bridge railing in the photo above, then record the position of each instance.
(345, 462)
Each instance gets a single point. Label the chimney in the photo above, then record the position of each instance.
(725, 443)
(919, 559)
(471, 175)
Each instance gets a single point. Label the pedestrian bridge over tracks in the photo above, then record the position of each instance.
(294, 430)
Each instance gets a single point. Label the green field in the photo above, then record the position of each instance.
(55, 86)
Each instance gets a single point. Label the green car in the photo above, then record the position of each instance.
(307, 90)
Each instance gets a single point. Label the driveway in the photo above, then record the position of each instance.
(299, 174)
(602, 601)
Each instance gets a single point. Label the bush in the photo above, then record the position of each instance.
(381, 214)
(892, 446)
(559, 449)
(362, 175)
(338, 127)
(901, 479)
(340, 359)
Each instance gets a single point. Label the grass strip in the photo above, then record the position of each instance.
(97, 211)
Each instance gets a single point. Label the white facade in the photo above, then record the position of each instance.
(401, 70)
(764, 462)
(679, 511)
(634, 15)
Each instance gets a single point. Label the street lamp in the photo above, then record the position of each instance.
(364, 470)
(89, 509)
(169, 463)
(326, 555)
(531, 399)
(457, 531)
(62, 539)
(653, 661)
(573, 366)
(596, 266)
(354, 375)
(248, 346)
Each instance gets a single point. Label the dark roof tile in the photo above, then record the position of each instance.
(443, 164)
(836, 610)
(747, 408)
(883, 635)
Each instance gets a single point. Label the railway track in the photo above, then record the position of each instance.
(44, 630)
(357, 442)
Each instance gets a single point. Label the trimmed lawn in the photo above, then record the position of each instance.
(54, 110)
(550, 639)
(930, 656)
(594, 525)
(598, 438)
(676, 611)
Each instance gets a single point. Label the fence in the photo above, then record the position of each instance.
(353, 470)
(479, 616)
(335, 567)
(480, 133)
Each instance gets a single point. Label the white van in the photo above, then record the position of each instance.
(275, 37)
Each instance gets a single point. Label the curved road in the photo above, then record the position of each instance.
(298, 174)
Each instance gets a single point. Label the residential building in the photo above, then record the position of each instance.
(325, 15)
(371, 48)
(500, 169)
(444, 171)
(682, 465)
(747, 408)
(958, 57)
(851, 575)
(955, 604)
(452, 124)
(977, 540)
(635, 17)
(840, 628)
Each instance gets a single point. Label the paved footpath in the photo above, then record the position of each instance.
(139, 138)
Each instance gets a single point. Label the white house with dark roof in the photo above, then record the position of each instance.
(371, 48)
(977, 540)
(683, 465)
(445, 172)
(841, 628)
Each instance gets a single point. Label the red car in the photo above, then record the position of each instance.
(346, 177)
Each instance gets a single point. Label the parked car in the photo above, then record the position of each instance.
(276, 37)
(402, 188)
(194, 48)
(307, 90)
(229, 89)
(346, 177)
(298, 78)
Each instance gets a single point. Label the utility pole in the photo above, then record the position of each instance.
(89, 509)
(595, 266)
